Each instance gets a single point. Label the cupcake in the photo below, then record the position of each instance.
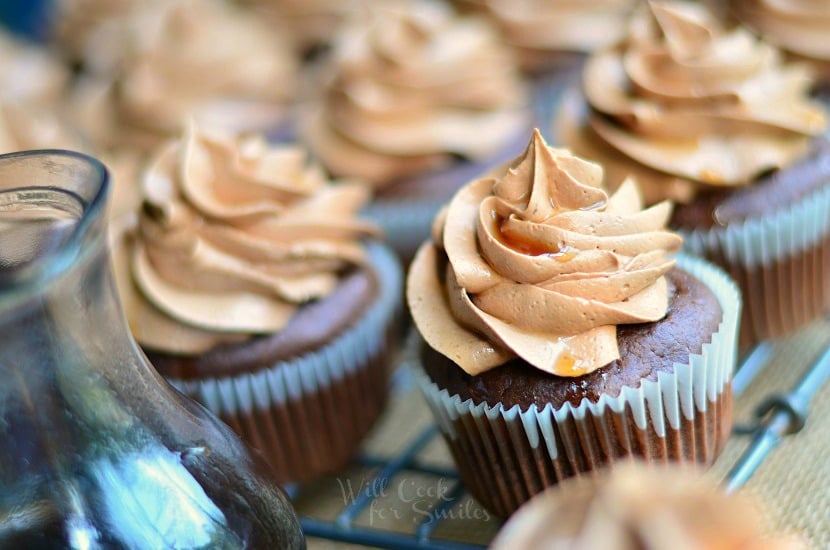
(634, 506)
(308, 24)
(799, 28)
(556, 334)
(251, 285)
(715, 120)
(183, 59)
(419, 100)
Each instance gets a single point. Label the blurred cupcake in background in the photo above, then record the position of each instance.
(418, 100)
(637, 506)
(551, 34)
(800, 27)
(80, 26)
(181, 59)
(717, 121)
(252, 286)
(309, 25)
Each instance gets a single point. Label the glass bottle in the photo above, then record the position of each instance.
(96, 449)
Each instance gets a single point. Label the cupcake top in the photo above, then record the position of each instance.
(234, 235)
(636, 506)
(201, 59)
(29, 74)
(542, 264)
(688, 104)
(798, 26)
(541, 29)
(413, 86)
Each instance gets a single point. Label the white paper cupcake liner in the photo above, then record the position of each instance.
(306, 415)
(781, 261)
(506, 455)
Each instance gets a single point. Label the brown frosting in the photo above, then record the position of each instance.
(539, 27)
(635, 506)
(541, 264)
(234, 235)
(201, 59)
(413, 86)
(29, 74)
(688, 103)
(798, 26)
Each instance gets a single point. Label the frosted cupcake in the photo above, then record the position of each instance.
(252, 286)
(634, 506)
(557, 335)
(419, 101)
(715, 120)
(182, 59)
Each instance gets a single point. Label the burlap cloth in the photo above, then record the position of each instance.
(793, 482)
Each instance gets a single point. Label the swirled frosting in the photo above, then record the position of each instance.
(540, 29)
(234, 235)
(685, 103)
(413, 86)
(540, 264)
(641, 506)
(200, 59)
(29, 74)
(799, 26)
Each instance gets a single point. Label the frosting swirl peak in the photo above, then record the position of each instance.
(411, 87)
(686, 103)
(541, 264)
(233, 236)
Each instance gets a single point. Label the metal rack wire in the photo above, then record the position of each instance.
(779, 415)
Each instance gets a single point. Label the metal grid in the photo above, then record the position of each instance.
(779, 415)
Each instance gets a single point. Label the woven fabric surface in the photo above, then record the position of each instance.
(793, 483)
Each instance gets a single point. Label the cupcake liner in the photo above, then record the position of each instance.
(506, 455)
(406, 219)
(781, 262)
(307, 415)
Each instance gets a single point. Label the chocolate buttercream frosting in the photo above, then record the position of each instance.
(233, 237)
(176, 60)
(686, 104)
(635, 506)
(412, 87)
(542, 264)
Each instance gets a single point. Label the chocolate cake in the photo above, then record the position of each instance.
(645, 350)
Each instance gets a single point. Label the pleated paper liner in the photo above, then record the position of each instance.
(781, 262)
(505, 456)
(307, 415)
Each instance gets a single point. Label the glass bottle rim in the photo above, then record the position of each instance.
(35, 276)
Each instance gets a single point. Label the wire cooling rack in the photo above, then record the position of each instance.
(779, 415)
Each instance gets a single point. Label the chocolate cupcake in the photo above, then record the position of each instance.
(716, 121)
(636, 506)
(419, 100)
(558, 336)
(156, 66)
(253, 288)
